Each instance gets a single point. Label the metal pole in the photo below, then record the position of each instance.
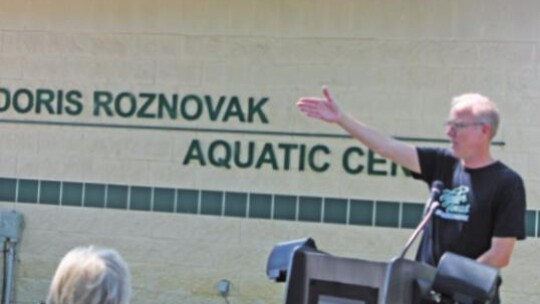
(10, 258)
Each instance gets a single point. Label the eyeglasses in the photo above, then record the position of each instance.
(461, 125)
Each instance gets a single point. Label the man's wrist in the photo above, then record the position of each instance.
(342, 119)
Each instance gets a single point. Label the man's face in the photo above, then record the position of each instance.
(465, 131)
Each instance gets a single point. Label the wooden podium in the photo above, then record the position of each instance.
(319, 278)
(316, 277)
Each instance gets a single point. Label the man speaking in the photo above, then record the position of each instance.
(482, 211)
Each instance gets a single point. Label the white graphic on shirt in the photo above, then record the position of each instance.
(455, 205)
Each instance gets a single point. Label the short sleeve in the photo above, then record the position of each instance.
(429, 158)
(510, 209)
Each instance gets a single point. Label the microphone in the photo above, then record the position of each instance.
(436, 190)
(431, 205)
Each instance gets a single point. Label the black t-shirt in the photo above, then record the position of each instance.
(476, 205)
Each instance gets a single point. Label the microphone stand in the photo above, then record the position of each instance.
(420, 227)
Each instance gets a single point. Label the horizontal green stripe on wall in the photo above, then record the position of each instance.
(213, 131)
(353, 211)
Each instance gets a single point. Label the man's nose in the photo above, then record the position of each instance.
(450, 132)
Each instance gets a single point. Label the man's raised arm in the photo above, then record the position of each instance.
(327, 109)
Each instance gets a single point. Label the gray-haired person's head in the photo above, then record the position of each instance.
(87, 275)
(483, 108)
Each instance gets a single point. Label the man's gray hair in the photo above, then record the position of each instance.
(482, 108)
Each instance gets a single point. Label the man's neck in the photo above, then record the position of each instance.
(478, 161)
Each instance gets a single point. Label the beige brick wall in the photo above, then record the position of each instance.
(180, 258)
(394, 64)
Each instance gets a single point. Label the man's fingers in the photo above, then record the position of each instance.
(314, 115)
(326, 93)
(317, 107)
(308, 105)
(310, 100)
(310, 111)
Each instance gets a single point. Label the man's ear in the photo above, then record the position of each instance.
(486, 129)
